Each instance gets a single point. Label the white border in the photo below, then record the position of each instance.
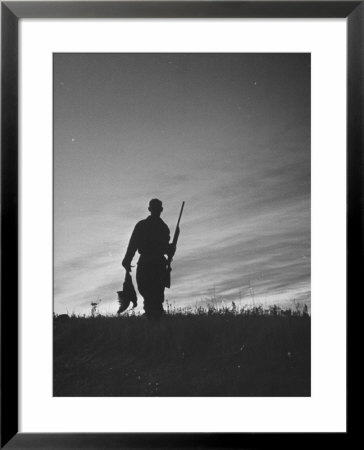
(325, 410)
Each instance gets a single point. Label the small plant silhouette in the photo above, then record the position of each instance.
(94, 306)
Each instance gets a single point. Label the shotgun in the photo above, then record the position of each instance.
(174, 242)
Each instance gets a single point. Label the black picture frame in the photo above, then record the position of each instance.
(11, 12)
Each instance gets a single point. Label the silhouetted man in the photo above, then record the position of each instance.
(151, 238)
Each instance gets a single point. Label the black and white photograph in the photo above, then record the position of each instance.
(181, 225)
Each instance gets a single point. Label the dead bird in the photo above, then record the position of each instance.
(127, 295)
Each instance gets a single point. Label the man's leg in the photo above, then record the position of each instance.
(150, 280)
(153, 306)
(147, 307)
(142, 282)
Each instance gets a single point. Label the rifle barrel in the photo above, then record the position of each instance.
(175, 236)
(180, 214)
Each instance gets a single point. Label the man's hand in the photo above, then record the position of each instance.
(126, 265)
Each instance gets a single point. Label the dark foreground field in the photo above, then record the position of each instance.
(184, 355)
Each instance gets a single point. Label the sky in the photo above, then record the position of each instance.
(229, 134)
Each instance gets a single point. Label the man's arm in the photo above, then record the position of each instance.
(170, 248)
(130, 252)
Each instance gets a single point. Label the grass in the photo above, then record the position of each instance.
(200, 352)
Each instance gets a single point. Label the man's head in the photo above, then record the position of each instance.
(155, 207)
